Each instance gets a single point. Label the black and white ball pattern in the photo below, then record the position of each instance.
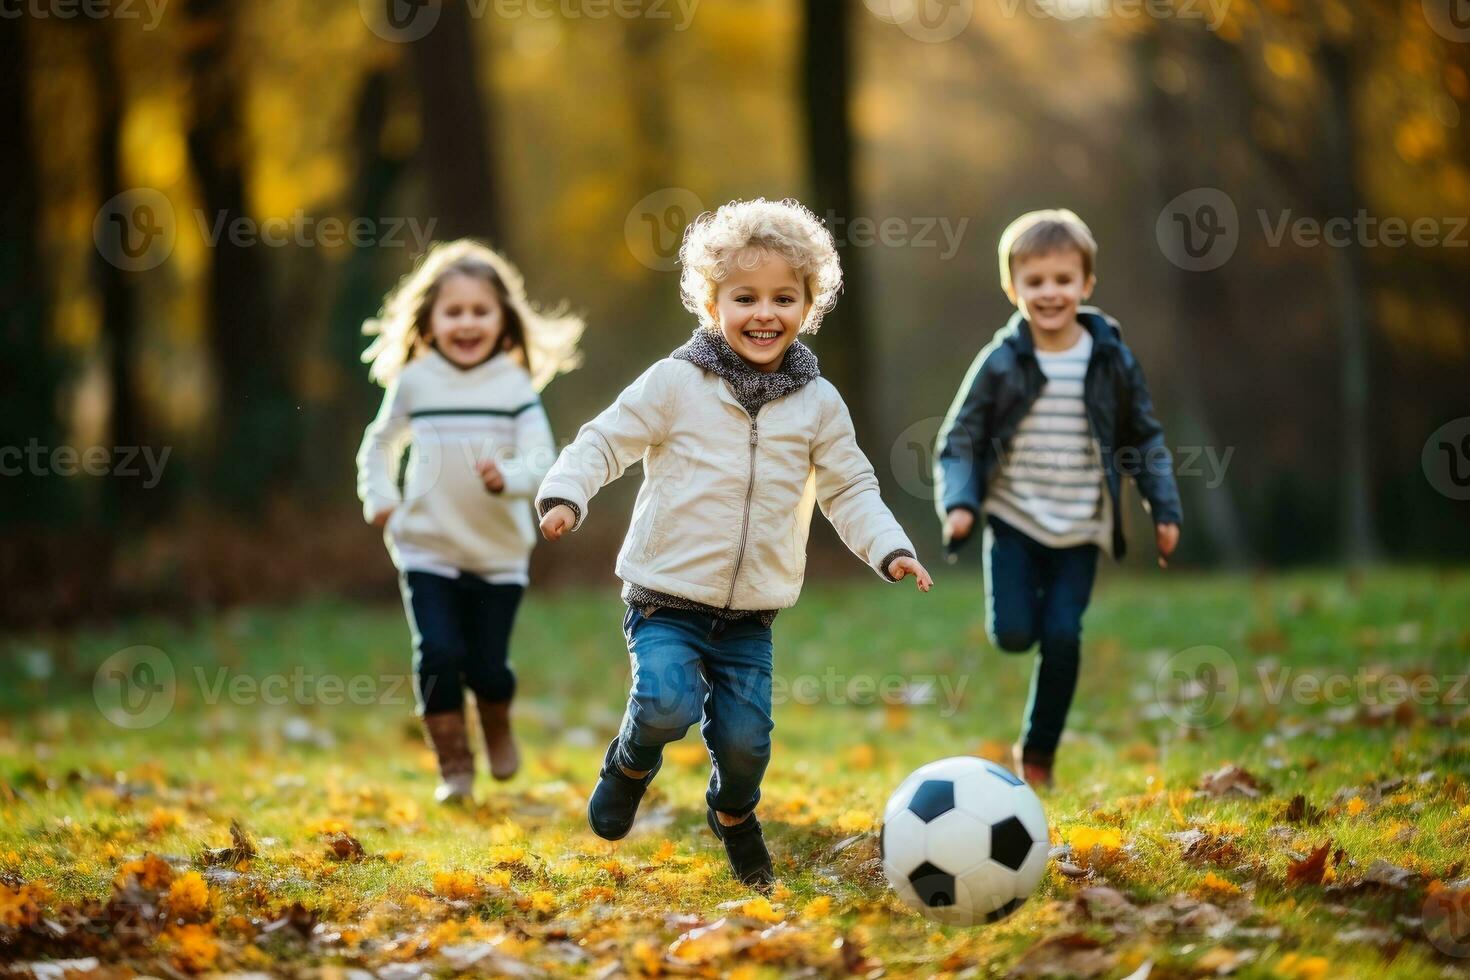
(964, 841)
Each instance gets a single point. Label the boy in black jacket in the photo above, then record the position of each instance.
(1051, 416)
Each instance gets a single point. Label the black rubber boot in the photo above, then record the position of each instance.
(746, 848)
(615, 798)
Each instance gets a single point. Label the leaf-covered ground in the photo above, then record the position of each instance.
(1338, 845)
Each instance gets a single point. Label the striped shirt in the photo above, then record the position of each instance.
(1049, 484)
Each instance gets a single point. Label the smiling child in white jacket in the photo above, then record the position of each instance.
(739, 437)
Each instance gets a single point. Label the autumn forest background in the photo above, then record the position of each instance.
(1301, 378)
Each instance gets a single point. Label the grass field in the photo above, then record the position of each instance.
(115, 842)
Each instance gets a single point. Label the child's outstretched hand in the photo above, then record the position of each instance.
(958, 524)
(490, 473)
(1167, 538)
(380, 520)
(904, 565)
(558, 521)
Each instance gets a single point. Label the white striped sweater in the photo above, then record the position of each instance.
(1049, 481)
(444, 521)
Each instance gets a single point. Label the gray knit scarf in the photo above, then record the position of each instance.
(752, 387)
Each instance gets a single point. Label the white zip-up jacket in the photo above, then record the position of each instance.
(726, 502)
(445, 521)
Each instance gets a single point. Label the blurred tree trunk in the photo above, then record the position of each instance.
(653, 150)
(1200, 302)
(1348, 283)
(123, 499)
(826, 92)
(30, 371)
(256, 427)
(1327, 183)
(361, 284)
(457, 129)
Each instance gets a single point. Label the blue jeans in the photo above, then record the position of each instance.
(461, 638)
(1038, 594)
(689, 667)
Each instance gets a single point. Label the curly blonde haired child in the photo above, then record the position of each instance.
(740, 437)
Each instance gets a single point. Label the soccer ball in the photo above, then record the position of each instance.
(964, 841)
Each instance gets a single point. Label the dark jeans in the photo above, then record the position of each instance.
(1038, 594)
(461, 638)
(687, 668)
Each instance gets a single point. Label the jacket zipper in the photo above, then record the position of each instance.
(745, 523)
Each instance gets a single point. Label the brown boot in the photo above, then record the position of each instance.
(500, 744)
(448, 736)
(1033, 767)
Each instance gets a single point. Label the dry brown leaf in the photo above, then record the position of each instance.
(1071, 955)
(241, 849)
(1310, 869)
(1232, 779)
(1300, 811)
(342, 846)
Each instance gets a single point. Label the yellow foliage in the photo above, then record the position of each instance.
(188, 897)
(647, 958)
(1215, 885)
(543, 902)
(507, 832)
(854, 822)
(1085, 840)
(499, 878)
(817, 908)
(507, 854)
(329, 825)
(686, 754)
(760, 909)
(1294, 967)
(1356, 806)
(162, 819)
(193, 948)
(458, 885)
(861, 756)
(403, 812)
(150, 872)
(21, 906)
